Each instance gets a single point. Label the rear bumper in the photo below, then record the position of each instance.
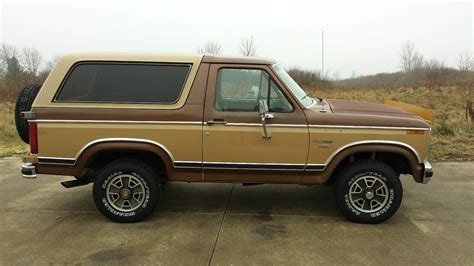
(427, 172)
(28, 170)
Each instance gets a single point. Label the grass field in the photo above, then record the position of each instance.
(453, 136)
(10, 143)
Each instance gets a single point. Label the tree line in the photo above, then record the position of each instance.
(19, 67)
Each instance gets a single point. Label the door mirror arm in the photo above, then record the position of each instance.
(264, 115)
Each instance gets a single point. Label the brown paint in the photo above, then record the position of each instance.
(202, 94)
(360, 119)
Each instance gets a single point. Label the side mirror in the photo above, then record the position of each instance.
(262, 107)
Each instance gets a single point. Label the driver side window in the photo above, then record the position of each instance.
(239, 90)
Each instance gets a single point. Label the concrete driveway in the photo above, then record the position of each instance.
(199, 224)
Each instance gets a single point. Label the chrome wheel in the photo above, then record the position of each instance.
(125, 193)
(368, 194)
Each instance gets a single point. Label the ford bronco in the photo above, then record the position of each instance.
(129, 123)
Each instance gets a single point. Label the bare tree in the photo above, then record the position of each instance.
(418, 61)
(11, 67)
(248, 47)
(353, 74)
(52, 63)
(31, 60)
(465, 61)
(210, 47)
(48, 67)
(7, 52)
(410, 58)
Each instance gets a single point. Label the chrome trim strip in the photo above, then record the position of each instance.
(228, 124)
(369, 127)
(255, 163)
(260, 124)
(56, 160)
(125, 140)
(254, 166)
(115, 122)
(240, 165)
(187, 164)
(315, 167)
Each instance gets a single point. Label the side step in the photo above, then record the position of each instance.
(75, 183)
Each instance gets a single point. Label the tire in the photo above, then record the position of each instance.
(111, 192)
(23, 104)
(368, 191)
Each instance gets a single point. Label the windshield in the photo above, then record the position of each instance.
(293, 86)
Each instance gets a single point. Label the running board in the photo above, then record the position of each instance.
(75, 183)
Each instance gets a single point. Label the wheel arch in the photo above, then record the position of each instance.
(391, 153)
(95, 153)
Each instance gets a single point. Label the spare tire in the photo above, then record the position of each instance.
(23, 104)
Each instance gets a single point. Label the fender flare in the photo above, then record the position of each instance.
(86, 154)
(391, 147)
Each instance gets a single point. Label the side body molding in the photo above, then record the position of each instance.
(76, 166)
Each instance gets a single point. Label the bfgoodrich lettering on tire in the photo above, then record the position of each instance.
(126, 191)
(368, 191)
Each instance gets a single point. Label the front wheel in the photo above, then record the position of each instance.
(368, 191)
(126, 191)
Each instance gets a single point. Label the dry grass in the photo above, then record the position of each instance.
(453, 136)
(10, 142)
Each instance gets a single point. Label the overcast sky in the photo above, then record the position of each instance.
(364, 38)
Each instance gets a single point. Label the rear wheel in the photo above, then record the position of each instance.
(126, 190)
(368, 191)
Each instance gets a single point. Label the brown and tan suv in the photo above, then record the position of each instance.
(129, 123)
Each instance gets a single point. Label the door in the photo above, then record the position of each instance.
(235, 147)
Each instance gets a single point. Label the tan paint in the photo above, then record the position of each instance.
(224, 143)
(231, 143)
(67, 139)
(325, 141)
(54, 80)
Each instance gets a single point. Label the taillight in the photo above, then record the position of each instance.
(33, 130)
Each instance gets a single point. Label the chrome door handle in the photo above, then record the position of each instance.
(269, 116)
(216, 121)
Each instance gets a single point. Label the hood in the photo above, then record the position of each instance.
(349, 113)
(353, 107)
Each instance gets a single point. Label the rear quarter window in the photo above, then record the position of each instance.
(124, 83)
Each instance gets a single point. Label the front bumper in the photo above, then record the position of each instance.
(427, 172)
(28, 170)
